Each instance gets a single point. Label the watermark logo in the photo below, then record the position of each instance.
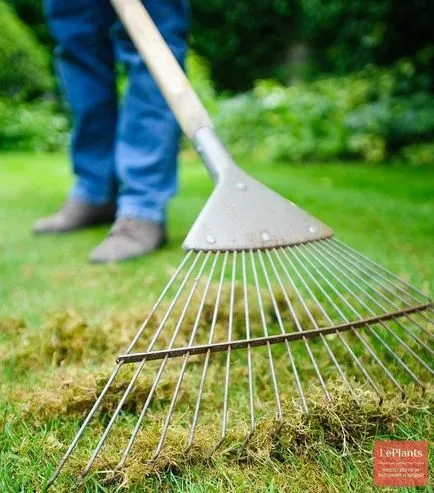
(400, 463)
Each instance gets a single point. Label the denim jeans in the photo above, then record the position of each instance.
(125, 150)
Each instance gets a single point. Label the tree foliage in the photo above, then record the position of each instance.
(347, 35)
(25, 64)
(243, 40)
(247, 40)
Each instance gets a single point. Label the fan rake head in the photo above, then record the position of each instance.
(251, 331)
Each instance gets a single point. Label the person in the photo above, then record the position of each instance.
(124, 155)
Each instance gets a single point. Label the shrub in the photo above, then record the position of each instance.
(25, 65)
(31, 12)
(363, 116)
(32, 126)
(418, 154)
(199, 73)
(398, 120)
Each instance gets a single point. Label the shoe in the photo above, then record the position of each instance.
(129, 238)
(75, 215)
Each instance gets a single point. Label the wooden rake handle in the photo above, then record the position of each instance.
(166, 71)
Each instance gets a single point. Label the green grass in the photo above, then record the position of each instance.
(385, 212)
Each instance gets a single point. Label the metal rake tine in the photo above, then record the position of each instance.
(397, 358)
(228, 355)
(377, 270)
(342, 315)
(249, 350)
(359, 336)
(185, 361)
(414, 337)
(404, 344)
(407, 347)
(378, 266)
(371, 311)
(358, 314)
(364, 267)
(158, 302)
(375, 301)
(411, 334)
(338, 310)
(207, 356)
(114, 374)
(361, 259)
(295, 318)
(264, 326)
(392, 352)
(290, 355)
(380, 363)
(345, 259)
(87, 420)
(308, 311)
(368, 263)
(427, 319)
(137, 373)
(162, 365)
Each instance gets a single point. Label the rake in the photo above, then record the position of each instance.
(265, 302)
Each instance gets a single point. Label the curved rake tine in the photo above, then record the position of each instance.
(368, 263)
(228, 356)
(343, 317)
(249, 352)
(158, 302)
(413, 336)
(345, 259)
(111, 379)
(357, 314)
(309, 313)
(398, 359)
(265, 329)
(207, 356)
(382, 323)
(421, 343)
(164, 361)
(290, 355)
(294, 317)
(379, 267)
(407, 347)
(137, 373)
(410, 333)
(184, 364)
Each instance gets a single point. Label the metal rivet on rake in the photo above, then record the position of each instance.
(241, 186)
(210, 239)
(265, 235)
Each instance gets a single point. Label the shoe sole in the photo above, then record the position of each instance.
(72, 230)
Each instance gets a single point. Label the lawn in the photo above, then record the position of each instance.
(386, 212)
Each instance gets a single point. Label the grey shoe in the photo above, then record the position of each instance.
(75, 215)
(127, 239)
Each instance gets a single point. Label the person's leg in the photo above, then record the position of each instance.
(147, 144)
(148, 135)
(85, 63)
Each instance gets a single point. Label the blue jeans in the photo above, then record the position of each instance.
(126, 151)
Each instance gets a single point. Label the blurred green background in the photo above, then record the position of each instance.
(285, 80)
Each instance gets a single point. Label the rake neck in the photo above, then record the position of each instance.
(212, 151)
